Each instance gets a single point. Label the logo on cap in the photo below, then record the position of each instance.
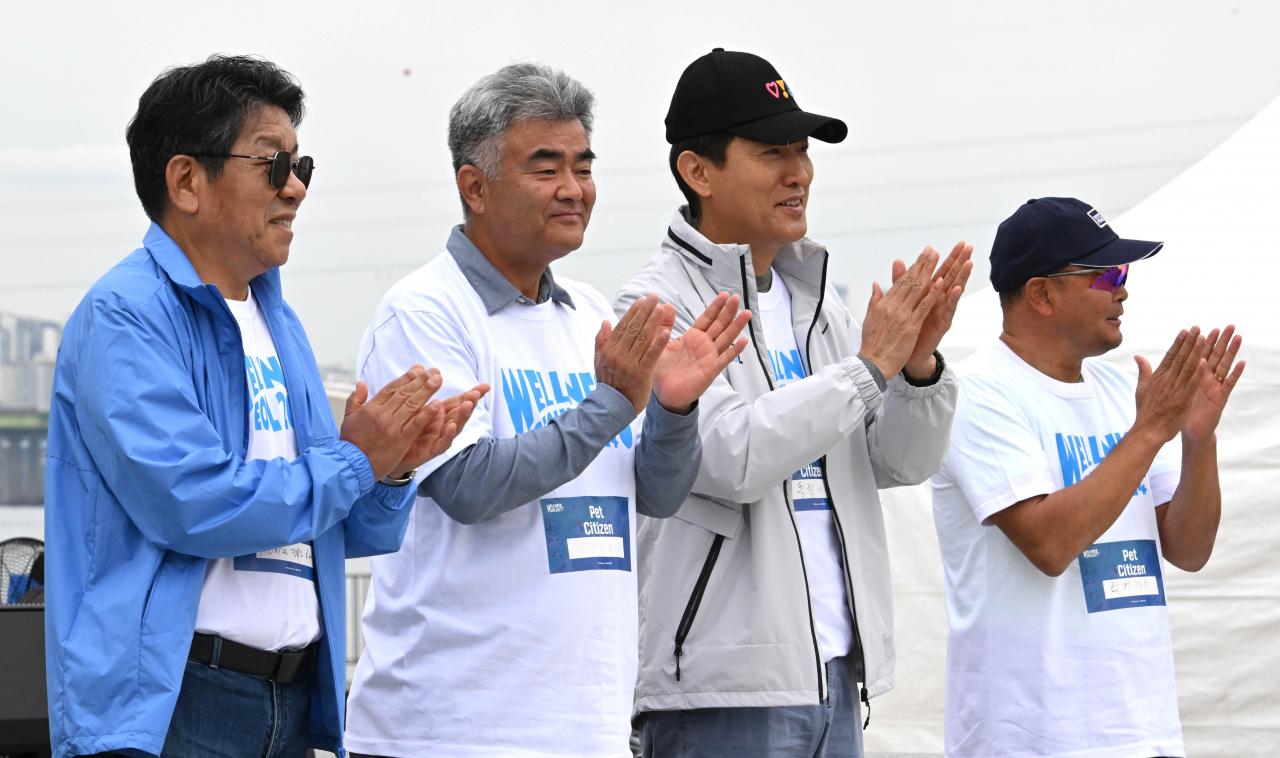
(1097, 218)
(777, 88)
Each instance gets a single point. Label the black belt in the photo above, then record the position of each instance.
(282, 668)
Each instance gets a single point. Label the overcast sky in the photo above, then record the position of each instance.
(958, 112)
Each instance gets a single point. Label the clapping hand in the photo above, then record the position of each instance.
(1164, 397)
(953, 274)
(446, 419)
(1215, 385)
(690, 363)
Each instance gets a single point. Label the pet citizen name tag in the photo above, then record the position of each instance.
(295, 560)
(1121, 575)
(587, 533)
(808, 493)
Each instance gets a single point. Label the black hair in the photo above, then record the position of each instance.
(200, 110)
(714, 147)
(1007, 299)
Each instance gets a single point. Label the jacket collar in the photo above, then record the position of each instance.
(802, 261)
(176, 265)
(495, 291)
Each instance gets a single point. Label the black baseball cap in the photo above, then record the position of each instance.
(1048, 233)
(744, 95)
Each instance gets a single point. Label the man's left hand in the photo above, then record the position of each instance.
(1215, 388)
(954, 274)
(690, 363)
(447, 419)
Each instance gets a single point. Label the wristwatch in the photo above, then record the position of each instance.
(391, 482)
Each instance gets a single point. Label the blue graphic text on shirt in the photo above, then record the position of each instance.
(534, 398)
(1079, 455)
(786, 366)
(270, 398)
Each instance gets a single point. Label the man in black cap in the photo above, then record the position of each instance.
(766, 602)
(1059, 637)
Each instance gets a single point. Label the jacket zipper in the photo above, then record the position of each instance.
(848, 579)
(857, 637)
(695, 599)
(786, 492)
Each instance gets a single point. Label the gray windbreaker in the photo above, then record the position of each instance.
(724, 599)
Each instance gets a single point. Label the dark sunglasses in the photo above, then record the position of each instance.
(1108, 279)
(281, 164)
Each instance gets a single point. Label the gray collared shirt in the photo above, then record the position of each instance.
(495, 291)
(494, 476)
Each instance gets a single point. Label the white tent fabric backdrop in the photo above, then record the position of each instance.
(1219, 265)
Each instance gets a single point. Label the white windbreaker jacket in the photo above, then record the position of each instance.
(725, 611)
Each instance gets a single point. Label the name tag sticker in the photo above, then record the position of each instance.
(808, 493)
(1121, 575)
(587, 533)
(294, 560)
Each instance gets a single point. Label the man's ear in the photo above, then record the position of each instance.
(693, 169)
(185, 176)
(474, 187)
(1038, 295)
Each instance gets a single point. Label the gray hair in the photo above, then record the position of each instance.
(516, 92)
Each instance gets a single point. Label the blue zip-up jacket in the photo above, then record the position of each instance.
(146, 481)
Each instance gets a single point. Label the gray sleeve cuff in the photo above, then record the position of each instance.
(929, 382)
(876, 373)
(868, 383)
(667, 460)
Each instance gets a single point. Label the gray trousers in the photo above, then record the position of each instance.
(830, 730)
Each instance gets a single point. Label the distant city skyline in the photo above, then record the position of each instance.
(28, 352)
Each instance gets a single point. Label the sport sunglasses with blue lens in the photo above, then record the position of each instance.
(1109, 279)
(281, 164)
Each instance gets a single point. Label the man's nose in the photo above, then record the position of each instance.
(797, 171)
(293, 189)
(569, 190)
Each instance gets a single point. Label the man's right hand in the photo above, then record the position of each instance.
(386, 426)
(626, 354)
(892, 326)
(1164, 396)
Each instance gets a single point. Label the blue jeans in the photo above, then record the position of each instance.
(226, 714)
(830, 730)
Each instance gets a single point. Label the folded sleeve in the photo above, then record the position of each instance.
(165, 462)
(408, 337)
(996, 456)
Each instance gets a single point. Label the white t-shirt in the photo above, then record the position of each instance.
(265, 600)
(1075, 665)
(516, 636)
(818, 538)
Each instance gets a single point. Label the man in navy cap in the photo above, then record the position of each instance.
(1055, 504)
(765, 604)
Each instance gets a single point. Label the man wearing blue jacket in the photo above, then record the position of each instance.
(201, 500)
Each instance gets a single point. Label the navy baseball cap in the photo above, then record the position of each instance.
(743, 94)
(1048, 233)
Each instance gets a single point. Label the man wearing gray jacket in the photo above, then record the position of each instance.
(766, 601)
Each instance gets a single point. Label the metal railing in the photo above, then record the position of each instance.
(357, 592)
